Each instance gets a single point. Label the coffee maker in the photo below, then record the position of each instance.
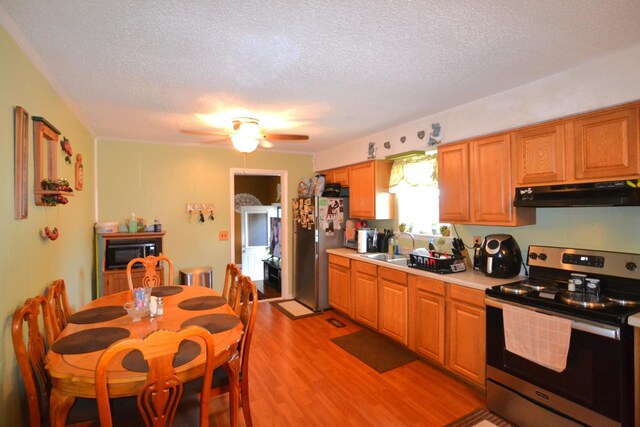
(500, 256)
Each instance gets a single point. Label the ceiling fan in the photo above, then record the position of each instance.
(246, 135)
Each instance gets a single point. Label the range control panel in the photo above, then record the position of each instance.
(618, 264)
(586, 260)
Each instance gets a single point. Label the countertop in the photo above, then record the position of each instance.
(470, 278)
(634, 320)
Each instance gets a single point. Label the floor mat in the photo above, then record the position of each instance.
(480, 418)
(293, 309)
(380, 353)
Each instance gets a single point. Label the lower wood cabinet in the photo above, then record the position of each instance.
(427, 317)
(364, 285)
(340, 283)
(116, 280)
(393, 302)
(466, 330)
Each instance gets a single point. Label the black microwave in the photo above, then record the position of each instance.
(118, 254)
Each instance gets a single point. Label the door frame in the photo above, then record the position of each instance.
(286, 291)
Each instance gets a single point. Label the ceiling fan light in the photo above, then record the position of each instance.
(244, 144)
(250, 130)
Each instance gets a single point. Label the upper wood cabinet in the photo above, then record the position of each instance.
(474, 178)
(540, 155)
(369, 196)
(490, 180)
(337, 176)
(453, 181)
(606, 145)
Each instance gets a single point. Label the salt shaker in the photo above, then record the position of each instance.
(153, 306)
(160, 308)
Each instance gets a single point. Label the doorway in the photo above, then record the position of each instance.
(259, 234)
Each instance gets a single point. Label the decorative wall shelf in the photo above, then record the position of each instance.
(45, 136)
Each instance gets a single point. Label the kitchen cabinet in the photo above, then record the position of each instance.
(465, 328)
(364, 284)
(369, 196)
(427, 317)
(606, 144)
(340, 283)
(540, 155)
(393, 302)
(115, 280)
(337, 176)
(474, 178)
(453, 182)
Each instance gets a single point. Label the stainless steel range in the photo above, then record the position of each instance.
(590, 379)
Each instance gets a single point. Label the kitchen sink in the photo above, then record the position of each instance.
(393, 259)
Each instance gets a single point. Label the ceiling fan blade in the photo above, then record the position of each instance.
(202, 132)
(286, 137)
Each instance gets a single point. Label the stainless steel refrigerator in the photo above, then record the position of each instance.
(318, 225)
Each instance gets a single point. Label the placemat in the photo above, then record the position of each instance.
(202, 303)
(187, 351)
(97, 314)
(89, 340)
(165, 291)
(213, 323)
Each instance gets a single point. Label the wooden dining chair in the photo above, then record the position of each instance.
(159, 399)
(231, 290)
(59, 309)
(31, 362)
(247, 313)
(151, 277)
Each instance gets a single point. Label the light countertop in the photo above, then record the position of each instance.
(634, 320)
(470, 278)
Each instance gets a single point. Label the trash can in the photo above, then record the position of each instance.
(201, 276)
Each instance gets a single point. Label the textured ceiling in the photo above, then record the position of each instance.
(335, 70)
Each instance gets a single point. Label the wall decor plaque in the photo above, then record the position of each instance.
(21, 163)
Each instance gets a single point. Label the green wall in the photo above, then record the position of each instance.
(27, 263)
(160, 179)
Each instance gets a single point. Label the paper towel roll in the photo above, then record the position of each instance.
(362, 241)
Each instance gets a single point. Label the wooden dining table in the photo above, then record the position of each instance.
(72, 359)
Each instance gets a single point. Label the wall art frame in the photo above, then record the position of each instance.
(21, 163)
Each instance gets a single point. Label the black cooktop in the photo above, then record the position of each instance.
(554, 299)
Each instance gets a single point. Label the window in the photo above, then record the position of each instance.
(414, 180)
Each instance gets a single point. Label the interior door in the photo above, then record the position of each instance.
(255, 235)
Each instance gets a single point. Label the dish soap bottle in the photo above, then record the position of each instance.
(133, 223)
(392, 244)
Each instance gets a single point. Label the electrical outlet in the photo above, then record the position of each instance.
(477, 240)
(223, 235)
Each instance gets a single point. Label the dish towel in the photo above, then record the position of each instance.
(540, 338)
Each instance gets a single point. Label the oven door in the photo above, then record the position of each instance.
(595, 388)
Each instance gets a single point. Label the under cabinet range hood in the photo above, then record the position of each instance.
(610, 193)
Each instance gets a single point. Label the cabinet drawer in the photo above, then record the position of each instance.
(365, 267)
(339, 260)
(430, 285)
(392, 275)
(471, 296)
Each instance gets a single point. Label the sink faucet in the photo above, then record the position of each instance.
(413, 240)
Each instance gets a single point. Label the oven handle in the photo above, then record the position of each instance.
(579, 325)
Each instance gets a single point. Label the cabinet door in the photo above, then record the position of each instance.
(392, 285)
(453, 182)
(466, 334)
(339, 283)
(606, 145)
(540, 155)
(362, 190)
(429, 326)
(341, 176)
(491, 180)
(365, 288)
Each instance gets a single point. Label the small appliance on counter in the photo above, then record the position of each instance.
(500, 256)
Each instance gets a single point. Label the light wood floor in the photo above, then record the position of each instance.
(300, 378)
